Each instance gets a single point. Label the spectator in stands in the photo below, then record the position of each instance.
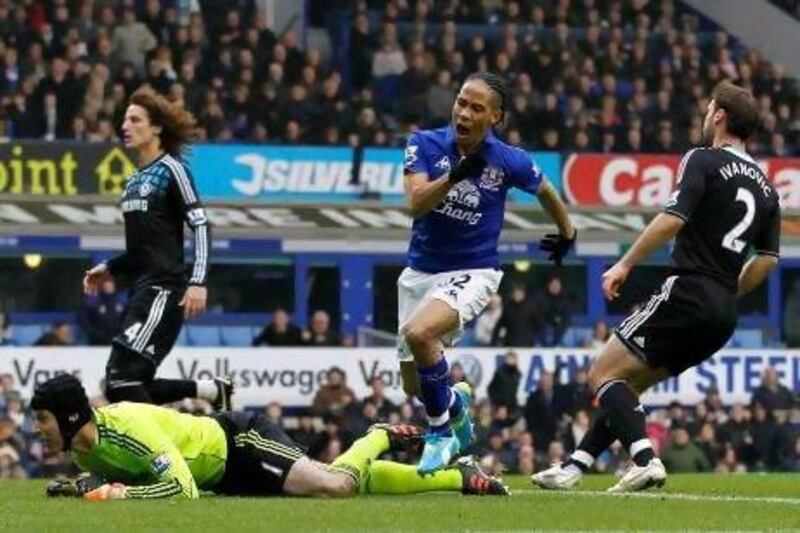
(540, 412)
(59, 335)
(760, 452)
(554, 307)
(319, 332)
(487, 321)
(785, 435)
(5, 331)
(707, 442)
(519, 324)
(274, 413)
(772, 394)
(439, 99)
(101, 316)
(16, 412)
(555, 452)
(10, 464)
(279, 332)
(131, 40)
(384, 407)
(334, 396)
(505, 384)
(730, 464)
(305, 434)
(576, 430)
(736, 430)
(572, 395)
(600, 335)
(790, 460)
(682, 455)
(677, 414)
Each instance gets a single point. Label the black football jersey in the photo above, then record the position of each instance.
(730, 209)
(158, 199)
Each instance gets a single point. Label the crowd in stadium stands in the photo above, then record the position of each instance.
(510, 436)
(585, 75)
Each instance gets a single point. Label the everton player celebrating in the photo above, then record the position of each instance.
(724, 209)
(456, 181)
(158, 199)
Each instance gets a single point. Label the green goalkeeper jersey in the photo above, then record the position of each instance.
(157, 452)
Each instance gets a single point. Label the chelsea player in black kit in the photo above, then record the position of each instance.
(158, 199)
(725, 217)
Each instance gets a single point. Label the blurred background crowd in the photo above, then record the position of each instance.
(590, 75)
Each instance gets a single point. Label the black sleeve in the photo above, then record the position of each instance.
(195, 215)
(768, 240)
(691, 185)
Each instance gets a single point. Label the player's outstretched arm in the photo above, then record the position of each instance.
(754, 272)
(552, 203)
(659, 232)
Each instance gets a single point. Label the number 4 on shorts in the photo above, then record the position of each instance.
(132, 332)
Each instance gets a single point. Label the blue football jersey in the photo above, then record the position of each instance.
(463, 230)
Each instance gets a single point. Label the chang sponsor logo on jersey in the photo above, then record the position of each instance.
(461, 203)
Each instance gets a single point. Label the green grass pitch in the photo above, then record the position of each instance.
(754, 501)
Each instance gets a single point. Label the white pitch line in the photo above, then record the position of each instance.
(663, 496)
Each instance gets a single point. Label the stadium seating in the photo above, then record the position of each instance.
(237, 335)
(204, 335)
(26, 334)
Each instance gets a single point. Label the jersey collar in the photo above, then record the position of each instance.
(744, 155)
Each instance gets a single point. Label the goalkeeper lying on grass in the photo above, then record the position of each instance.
(137, 450)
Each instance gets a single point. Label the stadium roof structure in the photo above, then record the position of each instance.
(96, 222)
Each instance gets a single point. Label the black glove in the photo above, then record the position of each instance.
(469, 166)
(63, 486)
(557, 245)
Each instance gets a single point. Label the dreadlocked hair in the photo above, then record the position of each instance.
(497, 85)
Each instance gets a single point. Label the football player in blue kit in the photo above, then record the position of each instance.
(456, 182)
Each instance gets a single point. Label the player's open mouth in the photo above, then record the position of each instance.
(462, 129)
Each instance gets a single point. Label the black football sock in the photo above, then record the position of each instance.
(626, 418)
(594, 442)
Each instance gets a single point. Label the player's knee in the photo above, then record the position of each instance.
(417, 336)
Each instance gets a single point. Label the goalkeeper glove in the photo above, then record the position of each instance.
(109, 491)
(557, 245)
(63, 486)
(469, 166)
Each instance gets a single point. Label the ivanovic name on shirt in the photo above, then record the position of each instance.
(736, 168)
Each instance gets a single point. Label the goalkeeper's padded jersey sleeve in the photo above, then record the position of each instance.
(157, 452)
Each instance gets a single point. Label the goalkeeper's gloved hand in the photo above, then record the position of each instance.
(109, 491)
(63, 486)
(557, 245)
(469, 166)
